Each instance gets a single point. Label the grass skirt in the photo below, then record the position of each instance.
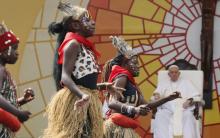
(65, 122)
(112, 130)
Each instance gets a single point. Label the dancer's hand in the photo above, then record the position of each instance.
(142, 110)
(23, 116)
(82, 101)
(28, 95)
(114, 89)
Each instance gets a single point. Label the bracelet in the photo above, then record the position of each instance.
(123, 111)
(129, 109)
(106, 87)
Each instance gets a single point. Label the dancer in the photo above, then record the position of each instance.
(8, 97)
(75, 110)
(125, 106)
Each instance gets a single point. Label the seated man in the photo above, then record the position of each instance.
(164, 118)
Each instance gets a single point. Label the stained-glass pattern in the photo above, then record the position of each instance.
(162, 31)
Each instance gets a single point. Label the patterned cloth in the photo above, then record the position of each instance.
(85, 63)
(82, 40)
(8, 91)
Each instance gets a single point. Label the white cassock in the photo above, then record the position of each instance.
(165, 122)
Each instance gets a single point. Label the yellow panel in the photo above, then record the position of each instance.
(132, 25)
(160, 15)
(147, 90)
(214, 95)
(164, 4)
(145, 41)
(212, 116)
(152, 40)
(126, 37)
(143, 8)
(141, 76)
(20, 21)
(129, 42)
(153, 79)
(152, 27)
(148, 58)
(136, 43)
(153, 66)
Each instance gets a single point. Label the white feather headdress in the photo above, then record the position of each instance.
(71, 10)
(123, 47)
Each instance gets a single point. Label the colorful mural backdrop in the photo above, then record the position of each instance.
(162, 31)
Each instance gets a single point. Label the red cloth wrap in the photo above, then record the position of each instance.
(123, 121)
(117, 70)
(7, 39)
(70, 36)
(9, 120)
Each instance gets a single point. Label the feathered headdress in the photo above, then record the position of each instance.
(123, 47)
(71, 10)
(7, 38)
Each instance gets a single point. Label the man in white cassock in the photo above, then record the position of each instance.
(165, 122)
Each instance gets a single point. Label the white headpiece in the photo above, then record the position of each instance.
(123, 47)
(72, 10)
(173, 66)
(3, 28)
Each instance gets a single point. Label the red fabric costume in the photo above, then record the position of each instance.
(9, 120)
(117, 118)
(117, 70)
(70, 36)
(7, 39)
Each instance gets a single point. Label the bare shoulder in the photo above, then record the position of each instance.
(121, 81)
(2, 72)
(122, 78)
(72, 45)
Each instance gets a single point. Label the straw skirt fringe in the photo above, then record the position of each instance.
(65, 122)
(112, 130)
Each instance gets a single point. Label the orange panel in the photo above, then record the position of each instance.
(145, 121)
(93, 12)
(105, 38)
(107, 51)
(120, 5)
(100, 3)
(212, 131)
(108, 22)
(140, 131)
(94, 39)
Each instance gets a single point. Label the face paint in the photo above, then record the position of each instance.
(9, 51)
(136, 74)
(88, 24)
(133, 64)
(86, 18)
